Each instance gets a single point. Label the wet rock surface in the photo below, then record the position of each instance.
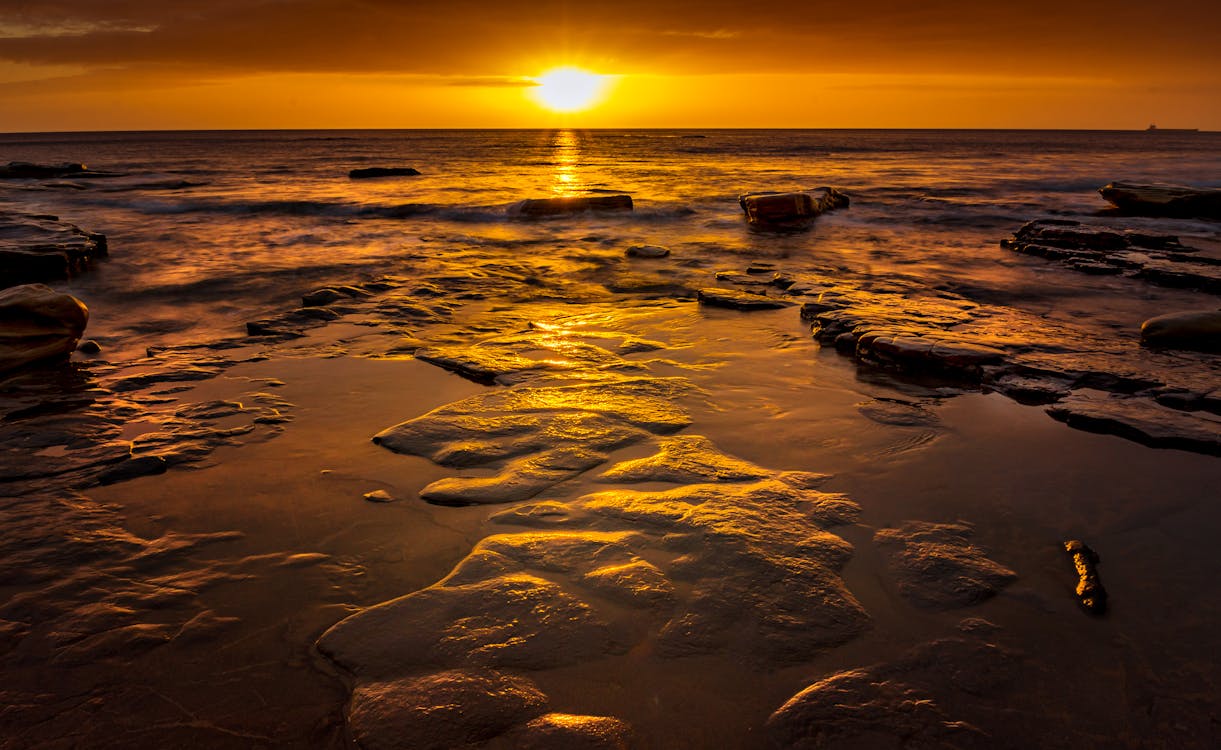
(1143, 420)
(946, 693)
(1200, 331)
(535, 207)
(1089, 588)
(780, 210)
(43, 248)
(37, 323)
(736, 300)
(441, 711)
(935, 565)
(1157, 259)
(690, 555)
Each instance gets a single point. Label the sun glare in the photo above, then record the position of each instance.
(570, 89)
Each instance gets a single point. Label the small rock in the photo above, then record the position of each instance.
(1089, 588)
(368, 172)
(379, 496)
(89, 346)
(646, 251)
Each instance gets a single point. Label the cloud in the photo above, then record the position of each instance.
(477, 40)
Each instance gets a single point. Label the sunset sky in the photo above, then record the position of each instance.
(152, 64)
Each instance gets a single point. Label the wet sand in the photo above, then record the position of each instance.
(278, 545)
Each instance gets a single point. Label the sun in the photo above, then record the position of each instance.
(570, 89)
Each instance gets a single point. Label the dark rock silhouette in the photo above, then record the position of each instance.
(371, 172)
(1139, 199)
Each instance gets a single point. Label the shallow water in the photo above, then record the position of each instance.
(183, 608)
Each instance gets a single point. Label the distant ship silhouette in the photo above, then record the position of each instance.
(1156, 129)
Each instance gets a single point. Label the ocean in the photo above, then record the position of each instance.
(354, 452)
(222, 225)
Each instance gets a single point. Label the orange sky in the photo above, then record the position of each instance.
(145, 64)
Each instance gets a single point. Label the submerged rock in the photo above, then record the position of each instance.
(516, 620)
(937, 567)
(441, 711)
(789, 209)
(1089, 589)
(646, 251)
(944, 694)
(368, 172)
(1138, 199)
(38, 323)
(1186, 330)
(572, 205)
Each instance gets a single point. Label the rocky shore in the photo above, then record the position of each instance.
(602, 522)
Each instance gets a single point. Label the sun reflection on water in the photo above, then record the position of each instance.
(565, 155)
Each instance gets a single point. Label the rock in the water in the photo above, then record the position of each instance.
(368, 172)
(572, 205)
(731, 298)
(1089, 589)
(1158, 259)
(38, 323)
(441, 711)
(379, 496)
(43, 248)
(1142, 420)
(1139, 199)
(788, 209)
(1187, 330)
(24, 170)
(938, 568)
(646, 251)
(89, 346)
